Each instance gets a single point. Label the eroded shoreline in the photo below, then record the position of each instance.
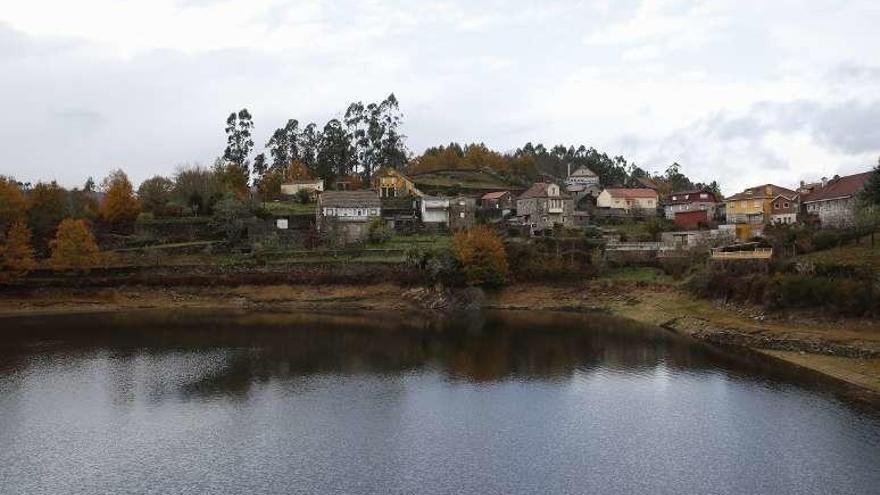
(845, 350)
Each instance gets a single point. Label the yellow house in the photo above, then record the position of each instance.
(754, 205)
(390, 183)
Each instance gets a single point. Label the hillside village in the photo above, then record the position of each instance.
(349, 202)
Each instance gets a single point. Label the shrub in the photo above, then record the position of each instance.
(436, 266)
(74, 246)
(482, 256)
(378, 232)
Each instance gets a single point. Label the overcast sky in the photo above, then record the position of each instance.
(745, 92)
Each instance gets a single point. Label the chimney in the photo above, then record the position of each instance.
(824, 181)
(569, 170)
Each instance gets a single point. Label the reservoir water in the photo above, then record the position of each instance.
(206, 402)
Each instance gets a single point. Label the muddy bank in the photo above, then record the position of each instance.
(846, 350)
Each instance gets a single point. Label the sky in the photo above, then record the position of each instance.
(745, 92)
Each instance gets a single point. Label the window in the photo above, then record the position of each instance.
(785, 205)
(704, 196)
(674, 198)
(776, 205)
(756, 204)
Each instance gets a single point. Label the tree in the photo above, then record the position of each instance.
(16, 253)
(48, 206)
(482, 256)
(74, 246)
(238, 147)
(373, 129)
(336, 155)
(155, 194)
(230, 219)
(13, 204)
(119, 208)
(870, 194)
(197, 188)
(83, 202)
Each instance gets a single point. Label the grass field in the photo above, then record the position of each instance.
(462, 179)
(851, 255)
(638, 274)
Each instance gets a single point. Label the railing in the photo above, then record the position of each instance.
(635, 246)
(757, 254)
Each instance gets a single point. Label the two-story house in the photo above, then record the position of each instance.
(685, 202)
(784, 209)
(582, 182)
(835, 201)
(628, 199)
(754, 205)
(346, 215)
(543, 206)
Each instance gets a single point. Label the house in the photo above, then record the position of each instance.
(628, 200)
(754, 205)
(784, 209)
(834, 202)
(543, 206)
(346, 215)
(498, 200)
(462, 213)
(434, 211)
(696, 200)
(293, 188)
(390, 183)
(582, 182)
(698, 239)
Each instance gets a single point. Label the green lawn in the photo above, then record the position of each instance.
(464, 179)
(289, 208)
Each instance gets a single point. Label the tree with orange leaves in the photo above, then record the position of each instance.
(483, 258)
(74, 246)
(119, 207)
(13, 205)
(16, 253)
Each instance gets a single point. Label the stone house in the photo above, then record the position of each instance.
(498, 200)
(835, 202)
(629, 200)
(582, 182)
(390, 183)
(685, 201)
(543, 206)
(462, 213)
(346, 215)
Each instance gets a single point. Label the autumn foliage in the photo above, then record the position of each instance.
(483, 258)
(16, 253)
(119, 208)
(74, 246)
(13, 205)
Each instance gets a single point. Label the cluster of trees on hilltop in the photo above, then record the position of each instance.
(534, 162)
(367, 138)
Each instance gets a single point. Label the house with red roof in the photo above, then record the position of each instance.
(628, 199)
(835, 201)
(497, 200)
(686, 203)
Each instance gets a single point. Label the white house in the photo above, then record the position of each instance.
(434, 210)
(314, 187)
(628, 199)
(835, 201)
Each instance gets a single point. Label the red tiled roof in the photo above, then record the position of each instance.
(495, 194)
(761, 192)
(632, 193)
(842, 187)
(691, 197)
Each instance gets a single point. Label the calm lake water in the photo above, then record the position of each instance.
(191, 402)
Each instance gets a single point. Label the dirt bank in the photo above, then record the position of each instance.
(846, 350)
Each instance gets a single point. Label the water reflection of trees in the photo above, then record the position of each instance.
(199, 354)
